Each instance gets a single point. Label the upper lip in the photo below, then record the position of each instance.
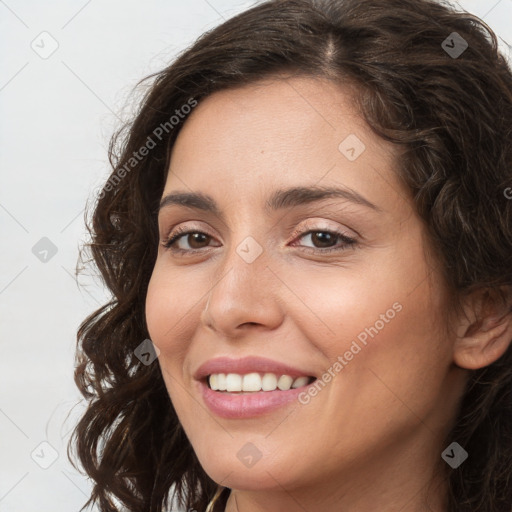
(246, 365)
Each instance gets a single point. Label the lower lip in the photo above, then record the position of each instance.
(238, 406)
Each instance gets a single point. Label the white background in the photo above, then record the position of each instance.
(56, 117)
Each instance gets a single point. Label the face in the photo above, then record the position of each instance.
(334, 287)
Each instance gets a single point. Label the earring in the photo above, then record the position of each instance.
(209, 508)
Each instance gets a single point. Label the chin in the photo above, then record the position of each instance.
(264, 478)
(225, 468)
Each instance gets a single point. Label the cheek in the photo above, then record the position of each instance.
(157, 309)
(378, 332)
(153, 313)
(163, 313)
(173, 306)
(338, 306)
(169, 302)
(162, 318)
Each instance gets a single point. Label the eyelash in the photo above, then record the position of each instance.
(347, 241)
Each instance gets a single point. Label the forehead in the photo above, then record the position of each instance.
(280, 133)
(275, 110)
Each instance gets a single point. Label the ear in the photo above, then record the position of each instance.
(484, 332)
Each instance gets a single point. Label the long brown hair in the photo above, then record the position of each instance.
(429, 80)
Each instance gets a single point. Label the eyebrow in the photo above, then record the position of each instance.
(287, 198)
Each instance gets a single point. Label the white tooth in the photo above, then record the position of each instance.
(251, 382)
(284, 383)
(214, 382)
(269, 382)
(233, 382)
(221, 381)
(299, 382)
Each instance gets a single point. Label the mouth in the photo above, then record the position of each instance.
(255, 382)
(250, 386)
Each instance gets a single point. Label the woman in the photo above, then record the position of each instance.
(308, 223)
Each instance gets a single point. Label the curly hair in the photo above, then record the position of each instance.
(449, 114)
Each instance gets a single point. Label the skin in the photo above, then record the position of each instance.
(371, 439)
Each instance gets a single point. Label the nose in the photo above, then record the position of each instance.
(245, 296)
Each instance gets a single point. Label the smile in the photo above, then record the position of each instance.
(249, 386)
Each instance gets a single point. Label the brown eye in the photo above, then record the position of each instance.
(197, 239)
(323, 238)
(326, 241)
(194, 239)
